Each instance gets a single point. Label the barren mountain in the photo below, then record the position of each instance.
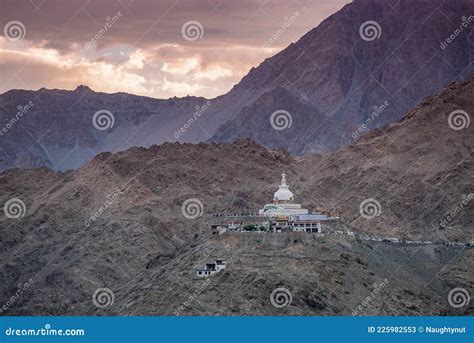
(57, 128)
(344, 76)
(117, 222)
(329, 81)
(419, 169)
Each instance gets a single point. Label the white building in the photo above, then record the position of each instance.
(211, 268)
(282, 203)
(307, 227)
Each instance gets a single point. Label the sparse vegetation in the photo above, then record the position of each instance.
(250, 227)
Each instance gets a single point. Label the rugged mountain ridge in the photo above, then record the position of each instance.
(329, 81)
(57, 130)
(117, 222)
(344, 76)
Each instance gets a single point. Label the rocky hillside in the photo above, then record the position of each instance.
(117, 222)
(419, 170)
(329, 82)
(328, 276)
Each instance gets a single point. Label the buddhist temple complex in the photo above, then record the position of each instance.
(283, 214)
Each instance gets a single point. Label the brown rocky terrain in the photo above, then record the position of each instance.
(329, 81)
(326, 276)
(117, 222)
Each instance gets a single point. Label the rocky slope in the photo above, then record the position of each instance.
(329, 82)
(344, 76)
(329, 276)
(117, 222)
(57, 129)
(419, 169)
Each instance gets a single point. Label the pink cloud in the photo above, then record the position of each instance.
(142, 50)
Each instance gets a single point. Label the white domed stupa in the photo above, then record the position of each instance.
(283, 195)
(282, 202)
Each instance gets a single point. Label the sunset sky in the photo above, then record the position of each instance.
(140, 46)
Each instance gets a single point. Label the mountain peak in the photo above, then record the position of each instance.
(82, 88)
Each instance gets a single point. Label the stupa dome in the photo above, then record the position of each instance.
(283, 194)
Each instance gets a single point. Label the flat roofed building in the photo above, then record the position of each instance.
(211, 267)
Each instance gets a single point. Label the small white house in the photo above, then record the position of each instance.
(211, 268)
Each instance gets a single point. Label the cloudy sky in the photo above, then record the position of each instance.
(155, 48)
